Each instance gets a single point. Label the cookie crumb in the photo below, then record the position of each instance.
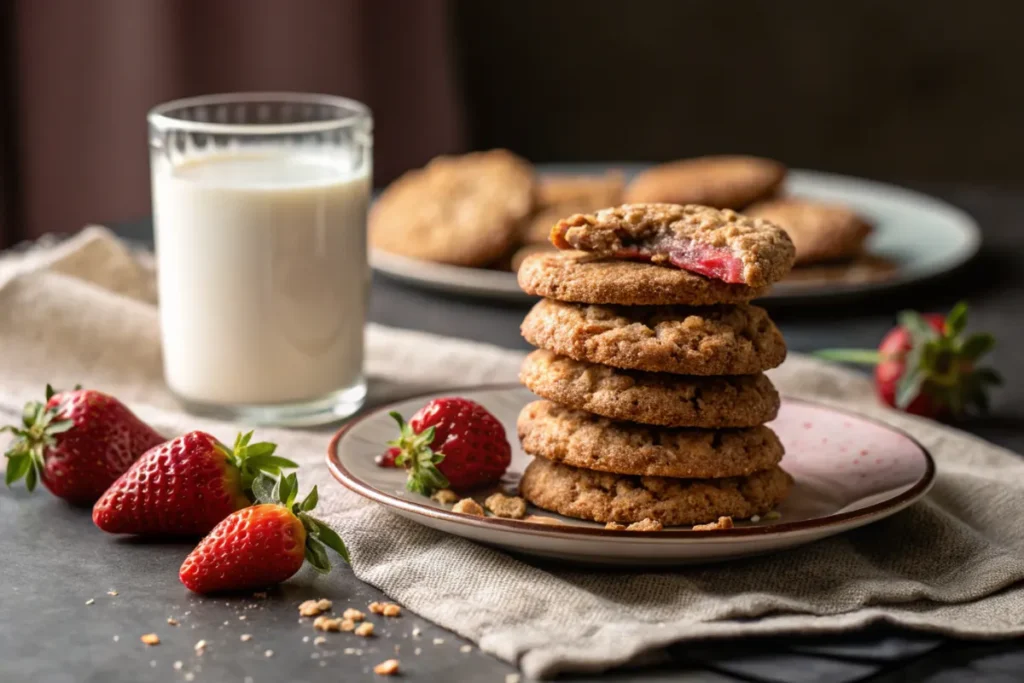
(150, 639)
(112, 593)
(189, 676)
(350, 650)
(722, 523)
(242, 617)
(268, 653)
(416, 632)
(504, 506)
(387, 668)
(646, 524)
(312, 608)
(323, 623)
(177, 665)
(445, 496)
(171, 621)
(615, 525)
(466, 648)
(438, 641)
(353, 614)
(200, 647)
(319, 640)
(245, 637)
(364, 629)
(90, 601)
(541, 519)
(388, 609)
(755, 519)
(417, 650)
(468, 506)
(117, 638)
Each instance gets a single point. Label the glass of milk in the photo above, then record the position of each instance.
(259, 203)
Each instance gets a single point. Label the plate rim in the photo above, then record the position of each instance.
(891, 505)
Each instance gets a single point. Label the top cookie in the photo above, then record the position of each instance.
(714, 340)
(587, 278)
(724, 182)
(463, 210)
(723, 245)
(559, 196)
(820, 232)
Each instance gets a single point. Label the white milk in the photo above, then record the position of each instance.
(263, 276)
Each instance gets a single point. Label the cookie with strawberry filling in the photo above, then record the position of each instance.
(721, 245)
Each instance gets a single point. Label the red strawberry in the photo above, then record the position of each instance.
(451, 442)
(387, 458)
(186, 486)
(264, 544)
(77, 442)
(924, 367)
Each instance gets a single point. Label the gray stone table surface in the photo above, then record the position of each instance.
(54, 561)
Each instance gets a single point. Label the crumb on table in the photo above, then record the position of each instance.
(386, 668)
(468, 506)
(353, 614)
(511, 507)
(615, 525)
(311, 608)
(388, 609)
(364, 629)
(150, 639)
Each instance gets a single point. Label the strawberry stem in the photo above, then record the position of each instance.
(417, 457)
(26, 456)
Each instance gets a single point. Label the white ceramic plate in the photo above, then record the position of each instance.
(849, 471)
(921, 236)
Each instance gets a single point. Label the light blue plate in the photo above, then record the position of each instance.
(923, 237)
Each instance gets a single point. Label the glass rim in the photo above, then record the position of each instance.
(358, 112)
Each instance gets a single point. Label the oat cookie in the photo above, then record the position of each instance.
(651, 398)
(586, 278)
(578, 438)
(724, 182)
(713, 340)
(604, 497)
(723, 245)
(463, 210)
(820, 232)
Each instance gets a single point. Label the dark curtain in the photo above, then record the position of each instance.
(80, 77)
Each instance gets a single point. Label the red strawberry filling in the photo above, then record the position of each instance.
(714, 262)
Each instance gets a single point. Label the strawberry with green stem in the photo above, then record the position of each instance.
(185, 486)
(926, 366)
(76, 443)
(451, 442)
(264, 544)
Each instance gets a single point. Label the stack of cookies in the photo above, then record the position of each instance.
(650, 367)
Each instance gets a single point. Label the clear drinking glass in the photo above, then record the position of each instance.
(259, 204)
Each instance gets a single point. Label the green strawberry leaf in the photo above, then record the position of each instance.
(59, 427)
(18, 465)
(416, 456)
(858, 356)
(49, 392)
(263, 489)
(330, 538)
(977, 345)
(30, 479)
(956, 321)
(988, 376)
(909, 386)
(316, 555)
(310, 501)
(917, 327)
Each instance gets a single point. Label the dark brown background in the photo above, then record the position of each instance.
(903, 91)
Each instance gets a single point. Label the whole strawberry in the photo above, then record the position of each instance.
(264, 544)
(451, 442)
(77, 443)
(185, 486)
(926, 367)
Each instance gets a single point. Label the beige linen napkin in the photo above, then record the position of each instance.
(83, 311)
